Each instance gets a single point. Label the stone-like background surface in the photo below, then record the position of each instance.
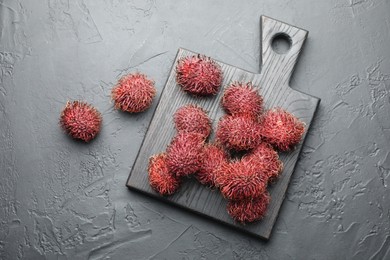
(62, 199)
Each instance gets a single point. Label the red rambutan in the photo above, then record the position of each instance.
(282, 129)
(80, 120)
(134, 93)
(214, 157)
(266, 160)
(238, 133)
(160, 179)
(199, 75)
(240, 180)
(185, 154)
(242, 98)
(249, 210)
(192, 119)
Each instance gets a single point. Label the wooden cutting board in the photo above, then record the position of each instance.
(273, 84)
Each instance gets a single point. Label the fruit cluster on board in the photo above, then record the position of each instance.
(242, 160)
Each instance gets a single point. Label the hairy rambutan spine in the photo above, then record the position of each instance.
(185, 154)
(242, 99)
(266, 161)
(250, 210)
(238, 133)
(133, 93)
(160, 179)
(240, 180)
(282, 129)
(192, 119)
(214, 157)
(199, 75)
(80, 120)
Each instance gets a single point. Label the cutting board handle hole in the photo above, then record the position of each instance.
(281, 43)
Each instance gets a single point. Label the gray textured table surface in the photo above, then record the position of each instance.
(62, 199)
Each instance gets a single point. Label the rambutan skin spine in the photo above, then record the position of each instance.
(242, 99)
(238, 133)
(249, 210)
(199, 75)
(192, 119)
(185, 154)
(214, 156)
(266, 161)
(281, 129)
(81, 120)
(133, 93)
(160, 179)
(240, 180)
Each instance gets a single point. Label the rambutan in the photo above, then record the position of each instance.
(266, 161)
(214, 157)
(238, 133)
(80, 120)
(133, 93)
(249, 210)
(199, 75)
(192, 119)
(185, 154)
(160, 179)
(240, 180)
(242, 98)
(282, 129)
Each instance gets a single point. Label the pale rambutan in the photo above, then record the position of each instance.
(250, 210)
(240, 180)
(192, 119)
(282, 129)
(238, 133)
(199, 75)
(266, 161)
(160, 179)
(241, 99)
(214, 157)
(185, 154)
(133, 93)
(80, 120)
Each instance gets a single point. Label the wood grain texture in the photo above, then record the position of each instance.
(273, 84)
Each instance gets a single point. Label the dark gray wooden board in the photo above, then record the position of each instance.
(273, 84)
